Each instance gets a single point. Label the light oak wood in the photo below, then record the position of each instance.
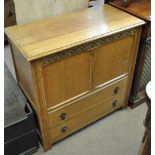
(33, 10)
(83, 103)
(63, 86)
(112, 59)
(40, 39)
(23, 72)
(40, 106)
(85, 118)
(142, 75)
(71, 63)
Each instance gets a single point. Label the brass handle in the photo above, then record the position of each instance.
(114, 103)
(64, 129)
(116, 90)
(63, 116)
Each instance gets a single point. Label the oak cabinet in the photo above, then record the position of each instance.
(75, 68)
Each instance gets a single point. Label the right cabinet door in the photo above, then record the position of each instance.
(112, 60)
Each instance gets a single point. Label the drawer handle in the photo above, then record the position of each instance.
(114, 103)
(116, 90)
(64, 129)
(63, 116)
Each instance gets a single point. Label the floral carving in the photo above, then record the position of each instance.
(87, 47)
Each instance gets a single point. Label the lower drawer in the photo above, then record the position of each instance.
(87, 117)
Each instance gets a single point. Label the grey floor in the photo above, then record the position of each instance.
(119, 133)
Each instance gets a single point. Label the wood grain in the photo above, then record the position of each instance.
(40, 39)
(83, 103)
(23, 71)
(132, 62)
(40, 104)
(141, 9)
(85, 118)
(61, 79)
(80, 79)
(112, 59)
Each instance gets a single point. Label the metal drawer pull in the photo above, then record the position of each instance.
(114, 103)
(63, 116)
(116, 90)
(64, 129)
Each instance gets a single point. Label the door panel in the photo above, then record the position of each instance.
(112, 60)
(66, 79)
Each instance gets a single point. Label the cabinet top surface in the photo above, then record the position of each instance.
(54, 34)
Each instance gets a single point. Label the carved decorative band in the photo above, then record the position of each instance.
(87, 46)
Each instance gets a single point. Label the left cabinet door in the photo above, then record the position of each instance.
(67, 79)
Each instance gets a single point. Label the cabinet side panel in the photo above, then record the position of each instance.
(23, 71)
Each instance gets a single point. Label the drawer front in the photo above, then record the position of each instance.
(87, 117)
(70, 110)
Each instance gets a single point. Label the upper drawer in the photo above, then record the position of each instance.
(71, 109)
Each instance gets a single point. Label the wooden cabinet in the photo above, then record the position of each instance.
(75, 68)
(142, 74)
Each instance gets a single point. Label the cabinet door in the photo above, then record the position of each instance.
(66, 79)
(112, 60)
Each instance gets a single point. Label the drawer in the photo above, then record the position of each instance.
(69, 110)
(87, 117)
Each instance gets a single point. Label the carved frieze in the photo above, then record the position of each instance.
(87, 46)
